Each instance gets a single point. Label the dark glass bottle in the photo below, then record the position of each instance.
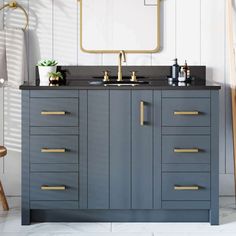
(186, 69)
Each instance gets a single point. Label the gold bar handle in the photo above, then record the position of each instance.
(54, 188)
(191, 113)
(142, 113)
(185, 150)
(53, 113)
(182, 188)
(56, 150)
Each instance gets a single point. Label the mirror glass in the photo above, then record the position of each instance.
(114, 25)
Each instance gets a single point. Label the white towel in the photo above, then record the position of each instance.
(3, 66)
(13, 62)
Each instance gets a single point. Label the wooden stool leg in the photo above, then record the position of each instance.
(3, 198)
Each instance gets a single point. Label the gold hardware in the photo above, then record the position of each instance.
(183, 150)
(180, 188)
(56, 150)
(133, 77)
(14, 5)
(142, 113)
(54, 188)
(194, 113)
(121, 55)
(155, 50)
(106, 76)
(47, 113)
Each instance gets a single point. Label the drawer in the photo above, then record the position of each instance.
(54, 93)
(185, 149)
(54, 149)
(186, 167)
(185, 186)
(54, 186)
(54, 112)
(181, 205)
(186, 93)
(185, 112)
(54, 167)
(54, 205)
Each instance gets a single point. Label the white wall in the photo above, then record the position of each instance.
(190, 29)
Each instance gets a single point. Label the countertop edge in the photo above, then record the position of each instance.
(210, 87)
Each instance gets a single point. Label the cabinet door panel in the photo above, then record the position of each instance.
(120, 149)
(98, 149)
(142, 149)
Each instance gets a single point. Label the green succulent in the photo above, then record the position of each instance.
(47, 63)
(55, 75)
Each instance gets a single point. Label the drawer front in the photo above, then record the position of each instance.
(185, 112)
(54, 186)
(185, 186)
(186, 93)
(186, 167)
(54, 112)
(54, 167)
(54, 149)
(54, 205)
(185, 149)
(181, 205)
(54, 93)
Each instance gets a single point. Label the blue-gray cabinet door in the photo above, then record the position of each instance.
(109, 149)
(142, 149)
(117, 164)
(120, 149)
(98, 149)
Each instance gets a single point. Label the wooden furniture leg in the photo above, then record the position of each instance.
(3, 198)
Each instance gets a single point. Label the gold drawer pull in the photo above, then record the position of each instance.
(191, 113)
(184, 150)
(181, 188)
(142, 113)
(54, 188)
(57, 150)
(55, 113)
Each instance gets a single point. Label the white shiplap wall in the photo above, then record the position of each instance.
(190, 29)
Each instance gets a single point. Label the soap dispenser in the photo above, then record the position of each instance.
(175, 70)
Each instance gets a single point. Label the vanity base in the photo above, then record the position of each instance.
(120, 216)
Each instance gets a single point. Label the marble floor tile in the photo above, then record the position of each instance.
(74, 234)
(193, 234)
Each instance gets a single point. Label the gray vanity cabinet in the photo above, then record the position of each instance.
(123, 154)
(119, 149)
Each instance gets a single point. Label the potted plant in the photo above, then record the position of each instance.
(55, 77)
(45, 67)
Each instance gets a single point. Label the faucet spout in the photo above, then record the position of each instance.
(121, 55)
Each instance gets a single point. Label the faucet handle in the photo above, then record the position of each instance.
(106, 76)
(133, 76)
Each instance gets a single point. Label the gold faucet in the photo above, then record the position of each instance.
(121, 55)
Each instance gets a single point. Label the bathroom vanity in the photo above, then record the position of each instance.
(96, 153)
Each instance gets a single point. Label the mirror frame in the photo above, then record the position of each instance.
(155, 50)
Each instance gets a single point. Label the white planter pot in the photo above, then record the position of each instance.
(44, 74)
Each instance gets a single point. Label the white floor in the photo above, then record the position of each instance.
(10, 225)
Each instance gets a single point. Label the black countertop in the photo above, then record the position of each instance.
(78, 77)
(155, 84)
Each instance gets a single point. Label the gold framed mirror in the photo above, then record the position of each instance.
(109, 26)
